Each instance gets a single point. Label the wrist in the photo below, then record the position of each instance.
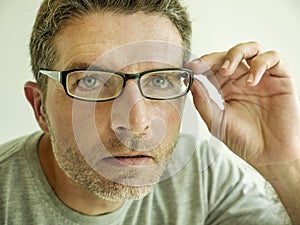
(285, 179)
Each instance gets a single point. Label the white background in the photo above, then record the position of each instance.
(218, 25)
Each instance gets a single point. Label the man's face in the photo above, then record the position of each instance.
(116, 149)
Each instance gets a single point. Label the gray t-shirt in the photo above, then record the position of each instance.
(222, 193)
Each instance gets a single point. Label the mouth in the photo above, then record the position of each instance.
(130, 160)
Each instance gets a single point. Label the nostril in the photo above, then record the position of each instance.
(122, 131)
(143, 133)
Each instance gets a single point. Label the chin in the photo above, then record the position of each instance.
(118, 192)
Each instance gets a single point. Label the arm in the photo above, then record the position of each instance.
(261, 120)
(285, 179)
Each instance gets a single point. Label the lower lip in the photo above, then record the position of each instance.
(121, 161)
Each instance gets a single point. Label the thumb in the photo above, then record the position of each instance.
(210, 112)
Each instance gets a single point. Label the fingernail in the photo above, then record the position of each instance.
(226, 64)
(250, 78)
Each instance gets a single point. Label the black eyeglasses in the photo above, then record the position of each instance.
(98, 85)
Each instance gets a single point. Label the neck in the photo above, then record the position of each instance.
(66, 189)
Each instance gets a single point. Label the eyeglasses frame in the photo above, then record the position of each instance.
(61, 77)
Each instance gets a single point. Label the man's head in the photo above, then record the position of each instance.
(116, 149)
(54, 13)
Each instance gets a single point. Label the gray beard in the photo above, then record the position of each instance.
(110, 183)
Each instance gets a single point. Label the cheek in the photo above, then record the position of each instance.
(70, 119)
(102, 118)
(170, 112)
(91, 123)
(58, 108)
(61, 128)
(59, 113)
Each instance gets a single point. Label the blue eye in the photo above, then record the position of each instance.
(160, 82)
(88, 82)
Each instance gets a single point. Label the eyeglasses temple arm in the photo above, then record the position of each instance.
(56, 75)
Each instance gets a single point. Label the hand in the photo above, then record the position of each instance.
(261, 119)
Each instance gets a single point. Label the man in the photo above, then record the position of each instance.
(111, 83)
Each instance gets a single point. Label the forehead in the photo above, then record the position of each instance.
(116, 40)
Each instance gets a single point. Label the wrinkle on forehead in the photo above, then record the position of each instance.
(95, 35)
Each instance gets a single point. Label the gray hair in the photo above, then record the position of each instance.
(53, 13)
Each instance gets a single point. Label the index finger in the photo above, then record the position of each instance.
(236, 54)
(207, 64)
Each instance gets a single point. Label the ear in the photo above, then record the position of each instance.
(34, 96)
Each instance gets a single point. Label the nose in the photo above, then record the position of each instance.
(130, 112)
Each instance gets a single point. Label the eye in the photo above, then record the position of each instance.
(160, 82)
(88, 82)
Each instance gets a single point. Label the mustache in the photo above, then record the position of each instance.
(133, 143)
(94, 150)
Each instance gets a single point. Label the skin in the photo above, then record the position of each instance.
(261, 122)
(66, 122)
(262, 114)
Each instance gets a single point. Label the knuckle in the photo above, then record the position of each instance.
(256, 61)
(273, 53)
(211, 55)
(255, 44)
(244, 47)
(252, 44)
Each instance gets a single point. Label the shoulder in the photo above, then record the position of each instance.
(228, 182)
(221, 170)
(10, 148)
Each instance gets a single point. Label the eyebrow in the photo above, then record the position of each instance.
(81, 65)
(85, 65)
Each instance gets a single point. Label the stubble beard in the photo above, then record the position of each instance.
(126, 183)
